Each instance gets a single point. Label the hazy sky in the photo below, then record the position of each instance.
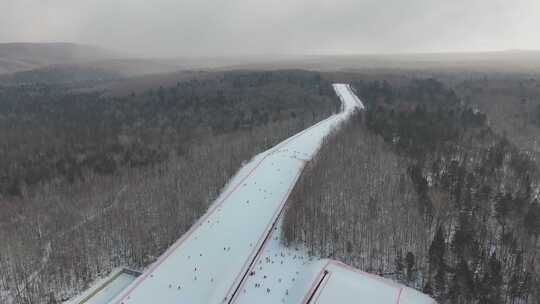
(218, 27)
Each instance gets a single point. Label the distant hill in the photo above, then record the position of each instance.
(16, 57)
(502, 61)
(102, 70)
(69, 62)
(59, 74)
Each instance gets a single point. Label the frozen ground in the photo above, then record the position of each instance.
(233, 254)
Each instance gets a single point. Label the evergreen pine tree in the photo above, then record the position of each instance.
(437, 265)
(465, 280)
(492, 282)
(410, 262)
(439, 290)
(428, 289)
(437, 250)
(532, 219)
(399, 265)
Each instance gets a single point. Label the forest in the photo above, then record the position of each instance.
(89, 182)
(420, 188)
(512, 103)
(536, 117)
(435, 185)
(49, 131)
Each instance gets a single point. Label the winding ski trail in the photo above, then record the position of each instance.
(233, 254)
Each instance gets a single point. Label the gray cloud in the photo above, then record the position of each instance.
(233, 27)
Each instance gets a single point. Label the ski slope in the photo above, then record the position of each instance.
(233, 254)
(107, 288)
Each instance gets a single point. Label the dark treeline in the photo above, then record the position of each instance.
(512, 104)
(421, 189)
(90, 183)
(65, 74)
(48, 131)
(536, 116)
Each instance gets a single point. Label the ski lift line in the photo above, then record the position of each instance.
(211, 211)
(316, 283)
(320, 289)
(399, 294)
(268, 233)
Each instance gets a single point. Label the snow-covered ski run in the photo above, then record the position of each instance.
(234, 254)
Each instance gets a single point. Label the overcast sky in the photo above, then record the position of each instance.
(233, 27)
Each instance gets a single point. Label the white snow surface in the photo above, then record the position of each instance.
(105, 289)
(113, 289)
(343, 284)
(234, 254)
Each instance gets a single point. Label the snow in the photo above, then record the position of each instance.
(234, 254)
(282, 274)
(113, 289)
(343, 284)
(105, 289)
